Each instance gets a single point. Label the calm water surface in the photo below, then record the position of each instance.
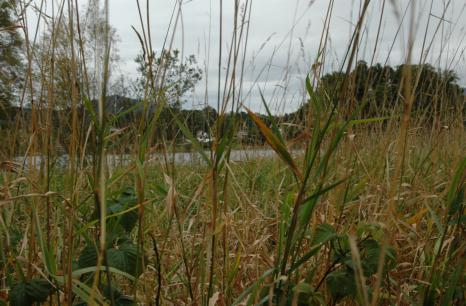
(115, 160)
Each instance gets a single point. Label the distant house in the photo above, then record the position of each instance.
(203, 137)
(242, 135)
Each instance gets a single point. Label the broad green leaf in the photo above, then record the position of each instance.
(80, 272)
(30, 292)
(125, 258)
(304, 288)
(365, 229)
(121, 256)
(19, 295)
(341, 284)
(118, 297)
(88, 256)
(370, 252)
(126, 200)
(324, 233)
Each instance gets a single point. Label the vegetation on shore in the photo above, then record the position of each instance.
(369, 210)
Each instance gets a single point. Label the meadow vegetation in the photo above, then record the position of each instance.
(361, 203)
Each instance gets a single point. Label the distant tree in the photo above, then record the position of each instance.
(10, 56)
(200, 120)
(55, 52)
(93, 37)
(67, 66)
(378, 88)
(178, 76)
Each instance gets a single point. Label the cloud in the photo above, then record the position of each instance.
(284, 37)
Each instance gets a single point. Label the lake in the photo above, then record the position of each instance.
(116, 160)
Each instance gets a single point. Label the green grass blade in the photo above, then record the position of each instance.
(277, 145)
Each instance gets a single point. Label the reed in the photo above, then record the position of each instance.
(351, 209)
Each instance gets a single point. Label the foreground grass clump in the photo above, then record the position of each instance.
(420, 230)
(358, 197)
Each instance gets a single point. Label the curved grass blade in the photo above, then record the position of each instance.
(253, 288)
(187, 133)
(275, 128)
(276, 144)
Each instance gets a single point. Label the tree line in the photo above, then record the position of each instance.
(61, 82)
(379, 90)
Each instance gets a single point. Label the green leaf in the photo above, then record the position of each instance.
(30, 292)
(368, 120)
(251, 290)
(371, 229)
(124, 300)
(80, 272)
(19, 295)
(88, 256)
(222, 146)
(304, 288)
(90, 108)
(126, 200)
(307, 207)
(455, 197)
(370, 251)
(341, 284)
(119, 298)
(459, 220)
(275, 128)
(127, 111)
(276, 144)
(84, 292)
(314, 250)
(454, 283)
(187, 133)
(49, 257)
(324, 233)
(124, 257)
(457, 201)
(314, 98)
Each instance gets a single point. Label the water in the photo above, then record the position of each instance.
(117, 160)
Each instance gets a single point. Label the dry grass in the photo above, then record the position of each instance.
(386, 195)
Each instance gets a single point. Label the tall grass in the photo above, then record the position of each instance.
(352, 211)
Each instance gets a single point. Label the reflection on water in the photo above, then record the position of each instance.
(116, 160)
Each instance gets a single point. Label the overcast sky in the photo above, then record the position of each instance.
(284, 38)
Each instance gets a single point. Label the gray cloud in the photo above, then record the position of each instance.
(274, 54)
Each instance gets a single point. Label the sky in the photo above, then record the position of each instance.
(283, 40)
